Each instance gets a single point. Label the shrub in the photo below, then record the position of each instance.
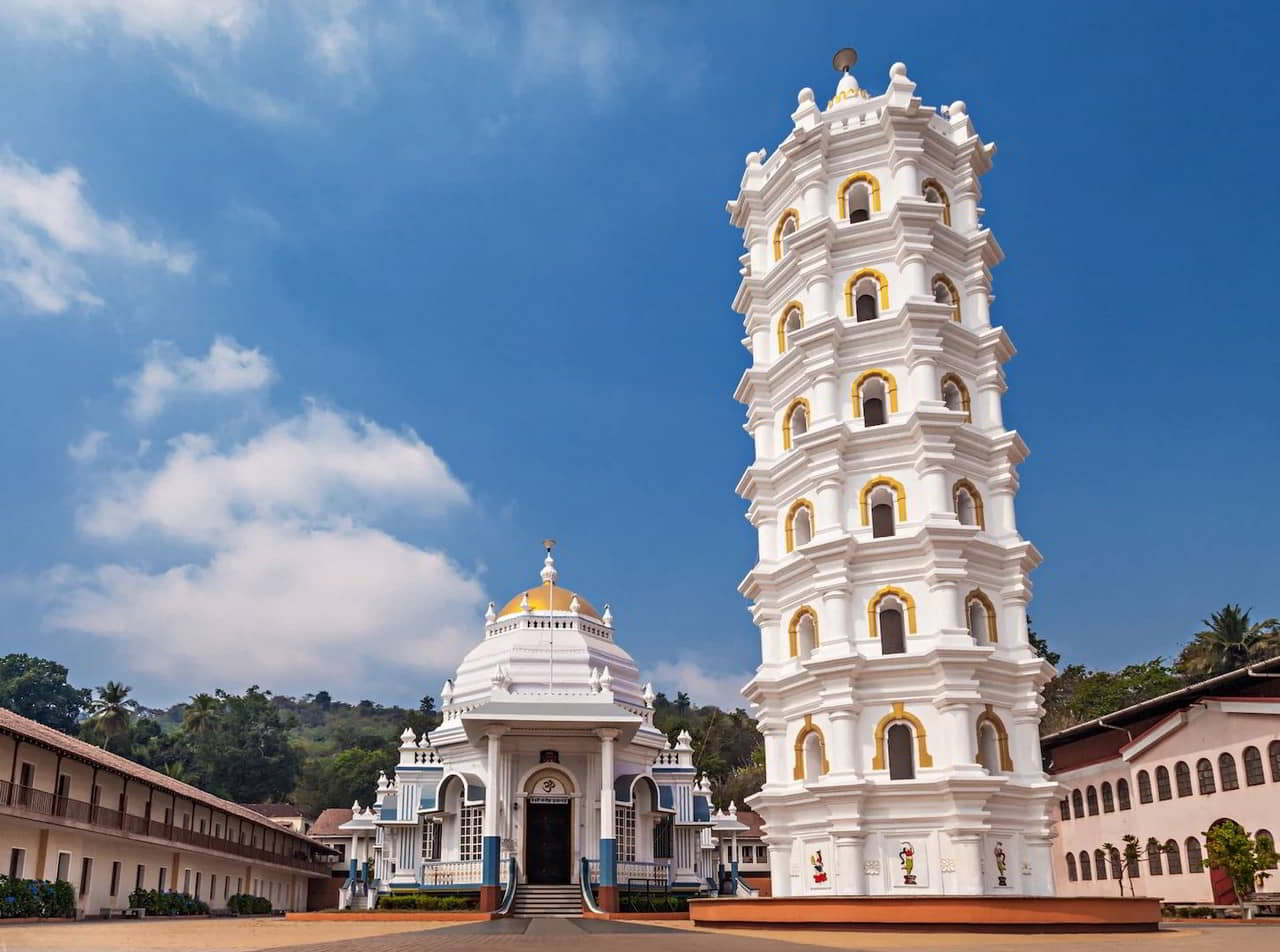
(426, 902)
(158, 903)
(242, 904)
(35, 898)
(652, 902)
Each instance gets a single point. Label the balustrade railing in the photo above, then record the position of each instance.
(30, 800)
(629, 871)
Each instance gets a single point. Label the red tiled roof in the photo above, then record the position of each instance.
(38, 733)
(274, 810)
(329, 820)
(753, 821)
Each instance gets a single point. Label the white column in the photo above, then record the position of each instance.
(851, 879)
(833, 626)
(607, 829)
(829, 508)
(937, 494)
(924, 384)
(915, 282)
(819, 298)
(840, 754)
(491, 783)
(824, 397)
(780, 867)
(968, 856)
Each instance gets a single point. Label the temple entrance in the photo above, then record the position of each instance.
(547, 837)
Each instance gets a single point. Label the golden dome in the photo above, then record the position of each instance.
(539, 596)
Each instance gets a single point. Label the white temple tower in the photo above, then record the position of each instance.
(897, 692)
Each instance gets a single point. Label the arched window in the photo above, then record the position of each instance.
(803, 633)
(902, 764)
(885, 614)
(1163, 790)
(1144, 787)
(866, 295)
(893, 639)
(993, 743)
(1071, 868)
(1084, 865)
(875, 396)
(1122, 794)
(1182, 777)
(1091, 798)
(1077, 803)
(1227, 771)
(799, 525)
(968, 504)
(981, 617)
(1266, 845)
(1273, 754)
(792, 320)
(1064, 809)
(1253, 767)
(882, 514)
(883, 490)
(1117, 867)
(785, 228)
(889, 743)
(1100, 864)
(795, 421)
(1108, 799)
(1195, 856)
(944, 292)
(858, 196)
(1173, 858)
(1154, 866)
(956, 396)
(811, 752)
(935, 194)
(1204, 774)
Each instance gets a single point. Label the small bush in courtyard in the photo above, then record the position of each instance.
(35, 899)
(158, 903)
(243, 904)
(426, 902)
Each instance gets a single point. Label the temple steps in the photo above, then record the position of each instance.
(538, 901)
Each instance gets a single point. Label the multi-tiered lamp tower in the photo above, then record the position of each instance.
(898, 694)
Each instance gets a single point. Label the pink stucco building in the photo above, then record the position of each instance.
(1165, 771)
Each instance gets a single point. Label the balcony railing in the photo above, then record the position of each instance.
(29, 800)
(460, 873)
(630, 871)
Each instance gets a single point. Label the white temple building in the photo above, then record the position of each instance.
(548, 757)
(897, 692)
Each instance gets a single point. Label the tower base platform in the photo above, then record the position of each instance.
(931, 913)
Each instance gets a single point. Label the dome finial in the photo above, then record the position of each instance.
(549, 572)
(847, 88)
(844, 59)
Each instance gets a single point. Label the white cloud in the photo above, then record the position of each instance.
(691, 676)
(284, 574)
(180, 22)
(309, 468)
(48, 230)
(285, 606)
(86, 450)
(217, 88)
(227, 369)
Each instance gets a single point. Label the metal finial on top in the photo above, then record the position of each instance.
(844, 59)
(548, 544)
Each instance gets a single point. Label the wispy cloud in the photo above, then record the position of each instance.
(227, 369)
(49, 233)
(181, 22)
(293, 567)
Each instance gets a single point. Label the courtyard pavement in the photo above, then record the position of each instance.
(584, 935)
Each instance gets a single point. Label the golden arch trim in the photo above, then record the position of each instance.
(890, 386)
(898, 714)
(873, 608)
(789, 215)
(810, 728)
(793, 630)
(871, 182)
(864, 497)
(881, 282)
(782, 324)
(989, 716)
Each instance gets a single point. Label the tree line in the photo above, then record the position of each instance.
(317, 752)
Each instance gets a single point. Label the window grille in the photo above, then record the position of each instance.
(624, 825)
(470, 834)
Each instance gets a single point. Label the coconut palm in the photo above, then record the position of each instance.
(1229, 640)
(200, 714)
(112, 710)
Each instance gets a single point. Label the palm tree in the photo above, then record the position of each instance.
(112, 710)
(1229, 641)
(200, 714)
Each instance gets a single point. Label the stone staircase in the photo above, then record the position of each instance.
(538, 902)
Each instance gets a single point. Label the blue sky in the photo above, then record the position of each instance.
(316, 317)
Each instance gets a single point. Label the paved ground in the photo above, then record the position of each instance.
(582, 935)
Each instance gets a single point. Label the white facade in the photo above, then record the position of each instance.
(898, 695)
(1166, 783)
(547, 754)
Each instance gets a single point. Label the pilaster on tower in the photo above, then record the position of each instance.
(897, 691)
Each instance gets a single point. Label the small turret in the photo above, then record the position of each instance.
(648, 695)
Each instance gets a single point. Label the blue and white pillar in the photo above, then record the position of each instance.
(492, 842)
(608, 898)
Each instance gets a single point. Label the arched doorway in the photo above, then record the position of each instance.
(548, 827)
(1224, 891)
